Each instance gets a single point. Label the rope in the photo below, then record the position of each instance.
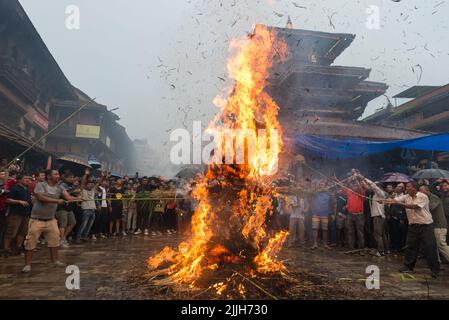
(253, 283)
(339, 183)
(126, 199)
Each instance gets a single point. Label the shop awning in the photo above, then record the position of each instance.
(352, 148)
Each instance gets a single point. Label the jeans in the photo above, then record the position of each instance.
(87, 220)
(440, 237)
(398, 233)
(297, 230)
(144, 210)
(379, 233)
(342, 230)
(2, 226)
(332, 229)
(356, 223)
(102, 222)
(421, 235)
(131, 222)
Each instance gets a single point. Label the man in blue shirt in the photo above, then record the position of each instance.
(19, 201)
(322, 206)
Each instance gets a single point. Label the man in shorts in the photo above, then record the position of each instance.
(48, 197)
(322, 205)
(64, 214)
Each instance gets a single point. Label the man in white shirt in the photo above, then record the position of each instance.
(102, 223)
(378, 216)
(420, 230)
(297, 227)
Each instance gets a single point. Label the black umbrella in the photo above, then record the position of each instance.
(395, 177)
(75, 164)
(75, 160)
(431, 174)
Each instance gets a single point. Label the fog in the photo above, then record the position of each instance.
(161, 62)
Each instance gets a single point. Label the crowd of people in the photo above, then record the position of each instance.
(369, 217)
(59, 209)
(55, 209)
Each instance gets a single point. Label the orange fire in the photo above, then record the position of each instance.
(235, 198)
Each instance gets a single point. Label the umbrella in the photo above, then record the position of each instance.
(115, 175)
(431, 174)
(75, 160)
(395, 177)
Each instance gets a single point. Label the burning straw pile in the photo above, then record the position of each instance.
(229, 245)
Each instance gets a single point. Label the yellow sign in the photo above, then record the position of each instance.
(85, 131)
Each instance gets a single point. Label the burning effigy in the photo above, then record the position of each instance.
(229, 230)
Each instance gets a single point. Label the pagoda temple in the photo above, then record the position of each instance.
(318, 98)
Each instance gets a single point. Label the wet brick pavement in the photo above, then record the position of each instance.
(107, 264)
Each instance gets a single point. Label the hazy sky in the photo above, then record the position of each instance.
(159, 61)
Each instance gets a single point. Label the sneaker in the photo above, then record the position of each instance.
(138, 232)
(153, 233)
(58, 264)
(378, 254)
(146, 232)
(124, 234)
(94, 237)
(168, 232)
(27, 268)
(405, 269)
(63, 244)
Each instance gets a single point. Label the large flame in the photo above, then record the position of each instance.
(235, 199)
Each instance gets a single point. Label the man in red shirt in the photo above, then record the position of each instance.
(12, 180)
(355, 193)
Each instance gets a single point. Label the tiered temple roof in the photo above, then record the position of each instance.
(316, 97)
